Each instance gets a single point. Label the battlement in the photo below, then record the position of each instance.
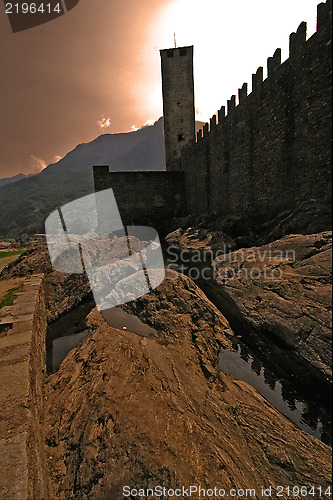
(297, 40)
(273, 63)
(270, 149)
(298, 44)
(265, 154)
(324, 16)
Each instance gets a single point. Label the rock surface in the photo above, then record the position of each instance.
(126, 410)
(282, 291)
(199, 239)
(247, 229)
(105, 258)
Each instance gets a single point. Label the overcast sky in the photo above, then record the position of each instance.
(97, 68)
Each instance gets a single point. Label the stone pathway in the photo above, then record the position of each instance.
(22, 363)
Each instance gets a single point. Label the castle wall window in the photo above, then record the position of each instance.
(181, 137)
(170, 53)
(182, 51)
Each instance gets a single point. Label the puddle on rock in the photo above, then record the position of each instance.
(65, 333)
(302, 399)
(120, 319)
(63, 345)
(243, 365)
(69, 331)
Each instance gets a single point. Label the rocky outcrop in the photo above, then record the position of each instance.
(306, 218)
(105, 259)
(146, 411)
(282, 292)
(247, 229)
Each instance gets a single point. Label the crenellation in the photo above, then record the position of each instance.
(297, 40)
(292, 44)
(257, 78)
(212, 122)
(301, 32)
(221, 114)
(324, 16)
(270, 154)
(205, 129)
(242, 93)
(321, 16)
(231, 104)
(274, 62)
(267, 156)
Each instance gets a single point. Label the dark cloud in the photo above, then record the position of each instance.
(58, 80)
(96, 68)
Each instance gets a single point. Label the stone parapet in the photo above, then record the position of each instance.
(22, 369)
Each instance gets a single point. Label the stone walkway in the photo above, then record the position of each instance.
(22, 363)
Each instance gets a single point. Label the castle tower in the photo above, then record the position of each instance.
(178, 101)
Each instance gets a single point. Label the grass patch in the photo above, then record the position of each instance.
(10, 296)
(14, 252)
(7, 257)
(11, 253)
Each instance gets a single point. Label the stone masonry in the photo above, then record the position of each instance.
(269, 151)
(22, 368)
(266, 153)
(178, 101)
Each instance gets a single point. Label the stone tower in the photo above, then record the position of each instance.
(178, 101)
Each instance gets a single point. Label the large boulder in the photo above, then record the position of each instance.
(126, 410)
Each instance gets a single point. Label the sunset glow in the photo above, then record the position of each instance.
(228, 40)
(97, 69)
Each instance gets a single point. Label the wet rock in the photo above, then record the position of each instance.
(282, 291)
(127, 410)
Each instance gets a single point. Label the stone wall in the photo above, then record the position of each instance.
(273, 150)
(270, 153)
(22, 357)
(144, 197)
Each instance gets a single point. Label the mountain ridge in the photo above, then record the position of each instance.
(9, 180)
(26, 203)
